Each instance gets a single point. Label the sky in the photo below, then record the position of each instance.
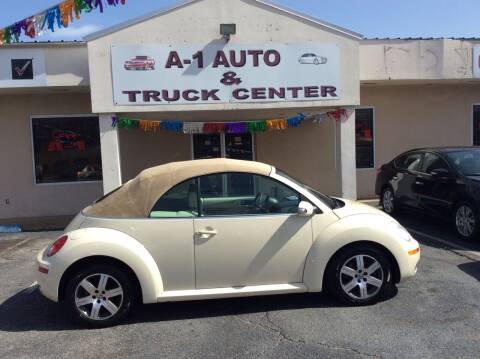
(372, 18)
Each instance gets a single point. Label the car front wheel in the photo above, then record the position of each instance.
(99, 296)
(360, 276)
(466, 221)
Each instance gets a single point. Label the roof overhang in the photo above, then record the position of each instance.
(267, 3)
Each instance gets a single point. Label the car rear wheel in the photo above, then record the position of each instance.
(99, 296)
(387, 200)
(360, 276)
(466, 221)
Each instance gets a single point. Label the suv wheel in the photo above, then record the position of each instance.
(387, 200)
(466, 221)
(360, 276)
(99, 296)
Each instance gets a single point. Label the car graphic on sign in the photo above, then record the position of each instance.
(312, 59)
(140, 63)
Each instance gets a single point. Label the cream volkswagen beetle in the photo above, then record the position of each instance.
(220, 228)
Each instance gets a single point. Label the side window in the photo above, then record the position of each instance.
(238, 194)
(179, 202)
(432, 162)
(409, 162)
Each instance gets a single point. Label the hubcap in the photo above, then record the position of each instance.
(465, 221)
(388, 201)
(99, 296)
(361, 277)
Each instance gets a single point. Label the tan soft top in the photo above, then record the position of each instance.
(136, 198)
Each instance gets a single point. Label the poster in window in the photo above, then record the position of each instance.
(66, 149)
(364, 138)
(22, 69)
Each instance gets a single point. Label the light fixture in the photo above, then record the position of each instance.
(226, 30)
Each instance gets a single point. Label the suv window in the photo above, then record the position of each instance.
(180, 201)
(432, 162)
(238, 194)
(410, 162)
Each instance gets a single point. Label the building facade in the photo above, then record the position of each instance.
(57, 100)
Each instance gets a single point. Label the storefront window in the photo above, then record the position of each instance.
(66, 149)
(476, 125)
(364, 138)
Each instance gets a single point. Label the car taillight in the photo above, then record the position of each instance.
(56, 246)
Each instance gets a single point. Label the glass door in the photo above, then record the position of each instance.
(238, 147)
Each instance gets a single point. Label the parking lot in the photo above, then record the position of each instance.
(435, 315)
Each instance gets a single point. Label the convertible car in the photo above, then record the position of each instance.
(220, 228)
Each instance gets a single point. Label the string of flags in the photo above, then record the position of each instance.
(226, 127)
(58, 16)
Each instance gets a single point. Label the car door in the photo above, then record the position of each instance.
(168, 235)
(435, 185)
(248, 232)
(403, 181)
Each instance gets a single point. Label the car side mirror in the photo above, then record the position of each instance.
(305, 209)
(440, 173)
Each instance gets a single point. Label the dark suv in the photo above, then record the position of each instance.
(443, 182)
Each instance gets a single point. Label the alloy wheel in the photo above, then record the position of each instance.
(99, 296)
(465, 221)
(361, 277)
(387, 201)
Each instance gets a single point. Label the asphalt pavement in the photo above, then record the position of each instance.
(434, 315)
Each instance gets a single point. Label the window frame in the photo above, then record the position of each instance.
(374, 128)
(445, 160)
(420, 165)
(223, 150)
(301, 196)
(32, 145)
(200, 210)
(195, 179)
(472, 124)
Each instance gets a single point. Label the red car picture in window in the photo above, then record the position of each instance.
(140, 63)
(66, 140)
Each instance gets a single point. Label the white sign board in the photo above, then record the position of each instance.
(476, 61)
(22, 68)
(223, 72)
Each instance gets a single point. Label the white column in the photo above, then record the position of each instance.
(112, 175)
(345, 156)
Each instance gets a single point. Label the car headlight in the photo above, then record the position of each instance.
(402, 232)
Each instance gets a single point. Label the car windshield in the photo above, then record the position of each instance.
(466, 162)
(329, 201)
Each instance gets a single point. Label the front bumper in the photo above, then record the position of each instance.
(47, 280)
(409, 265)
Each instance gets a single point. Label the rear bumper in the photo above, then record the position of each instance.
(46, 279)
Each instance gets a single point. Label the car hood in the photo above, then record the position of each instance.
(352, 208)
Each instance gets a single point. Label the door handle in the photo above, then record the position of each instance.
(418, 183)
(395, 177)
(205, 233)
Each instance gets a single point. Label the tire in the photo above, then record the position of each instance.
(316, 62)
(93, 285)
(349, 284)
(465, 221)
(387, 201)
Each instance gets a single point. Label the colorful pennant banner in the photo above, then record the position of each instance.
(225, 127)
(58, 16)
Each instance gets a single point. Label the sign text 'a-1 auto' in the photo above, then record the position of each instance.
(222, 73)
